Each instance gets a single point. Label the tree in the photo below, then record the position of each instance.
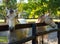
(10, 4)
(36, 8)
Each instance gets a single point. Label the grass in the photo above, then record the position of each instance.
(30, 20)
(3, 39)
(33, 20)
(1, 20)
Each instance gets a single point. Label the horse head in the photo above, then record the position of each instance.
(46, 18)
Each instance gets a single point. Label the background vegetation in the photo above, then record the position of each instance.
(33, 8)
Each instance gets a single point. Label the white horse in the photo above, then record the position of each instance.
(15, 35)
(11, 21)
(48, 20)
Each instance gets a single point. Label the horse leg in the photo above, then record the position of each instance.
(45, 39)
(12, 36)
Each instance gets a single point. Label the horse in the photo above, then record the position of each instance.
(45, 18)
(15, 35)
(11, 21)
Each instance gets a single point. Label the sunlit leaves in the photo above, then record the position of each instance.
(34, 8)
(19, 7)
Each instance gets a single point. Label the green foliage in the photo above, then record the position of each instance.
(2, 12)
(37, 8)
(2, 16)
(11, 4)
(33, 8)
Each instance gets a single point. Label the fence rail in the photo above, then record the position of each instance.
(32, 37)
(20, 26)
(33, 25)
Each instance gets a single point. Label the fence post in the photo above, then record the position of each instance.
(58, 33)
(34, 33)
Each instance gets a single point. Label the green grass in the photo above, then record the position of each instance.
(3, 39)
(2, 20)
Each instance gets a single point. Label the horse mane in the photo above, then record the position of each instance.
(40, 18)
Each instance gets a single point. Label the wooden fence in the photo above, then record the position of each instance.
(34, 34)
